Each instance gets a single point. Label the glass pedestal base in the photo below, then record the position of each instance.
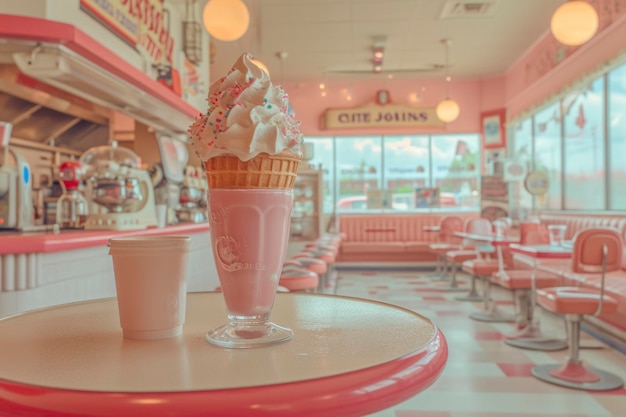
(234, 335)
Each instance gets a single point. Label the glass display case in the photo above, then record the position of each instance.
(306, 216)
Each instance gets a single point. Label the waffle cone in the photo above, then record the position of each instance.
(262, 171)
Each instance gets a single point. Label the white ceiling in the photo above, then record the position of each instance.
(323, 37)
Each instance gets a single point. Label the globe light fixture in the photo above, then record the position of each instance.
(447, 110)
(226, 20)
(574, 22)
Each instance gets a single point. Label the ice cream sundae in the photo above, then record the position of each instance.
(247, 138)
(250, 146)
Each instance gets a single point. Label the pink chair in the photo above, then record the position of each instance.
(522, 282)
(479, 268)
(447, 241)
(484, 269)
(469, 251)
(596, 251)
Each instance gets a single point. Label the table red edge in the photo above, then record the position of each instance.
(351, 394)
(525, 250)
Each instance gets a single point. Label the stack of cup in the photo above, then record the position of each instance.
(151, 284)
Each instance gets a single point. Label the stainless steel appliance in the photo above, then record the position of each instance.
(174, 189)
(122, 192)
(193, 197)
(16, 205)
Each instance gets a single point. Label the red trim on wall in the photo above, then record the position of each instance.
(43, 30)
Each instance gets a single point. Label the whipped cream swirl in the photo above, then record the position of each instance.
(247, 115)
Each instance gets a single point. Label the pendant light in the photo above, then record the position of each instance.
(226, 20)
(574, 22)
(447, 110)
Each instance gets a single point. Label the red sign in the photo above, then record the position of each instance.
(144, 24)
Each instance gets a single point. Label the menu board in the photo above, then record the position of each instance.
(494, 199)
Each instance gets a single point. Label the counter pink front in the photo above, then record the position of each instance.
(44, 269)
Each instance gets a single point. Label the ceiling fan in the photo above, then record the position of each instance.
(368, 73)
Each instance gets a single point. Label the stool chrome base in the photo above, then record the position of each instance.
(578, 377)
(547, 345)
(489, 316)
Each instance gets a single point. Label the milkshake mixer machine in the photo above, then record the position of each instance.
(122, 193)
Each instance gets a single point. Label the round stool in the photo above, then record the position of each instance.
(323, 247)
(319, 267)
(280, 288)
(324, 255)
(303, 254)
(314, 264)
(299, 279)
(292, 262)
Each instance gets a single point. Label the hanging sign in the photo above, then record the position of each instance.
(143, 24)
(376, 116)
(115, 14)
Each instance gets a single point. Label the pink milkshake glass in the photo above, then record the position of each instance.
(249, 236)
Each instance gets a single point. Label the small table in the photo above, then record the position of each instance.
(349, 357)
(538, 252)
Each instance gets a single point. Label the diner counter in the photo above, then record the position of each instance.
(44, 269)
(12, 242)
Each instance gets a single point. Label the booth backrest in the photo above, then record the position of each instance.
(384, 227)
(587, 252)
(578, 222)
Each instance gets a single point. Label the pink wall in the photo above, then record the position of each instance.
(309, 105)
(549, 68)
(546, 69)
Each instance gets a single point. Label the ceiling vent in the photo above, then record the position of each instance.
(463, 9)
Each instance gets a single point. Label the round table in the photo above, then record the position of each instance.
(349, 357)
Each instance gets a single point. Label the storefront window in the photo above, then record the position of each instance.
(358, 163)
(396, 172)
(617, 137)
(407, 168)
(548, 154)
(522, 138)
(583, 134)
(456, 169)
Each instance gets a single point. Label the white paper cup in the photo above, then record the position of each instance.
(151, 284)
